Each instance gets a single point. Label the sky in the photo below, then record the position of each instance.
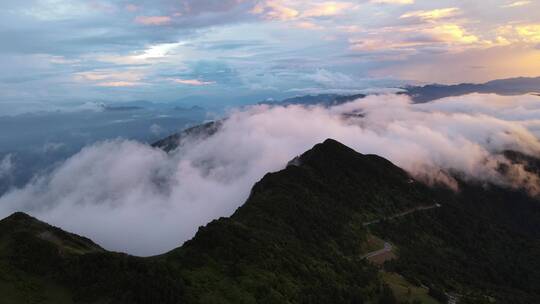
(228, 52)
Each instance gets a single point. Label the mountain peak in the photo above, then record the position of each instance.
(20, 216)
(333, 145)
(365, 185)
(335, 158)
(330, 148)
(21, 223)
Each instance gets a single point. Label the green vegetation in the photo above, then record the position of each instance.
(19, 287)
(300, 238)
(405, 291)
(372, 243)
(461, 247)
(43, 264)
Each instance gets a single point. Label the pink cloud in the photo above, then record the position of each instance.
(193, 82)
(118, 84)
(153, 20)
(132, 7)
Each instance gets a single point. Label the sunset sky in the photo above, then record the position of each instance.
(232, 51)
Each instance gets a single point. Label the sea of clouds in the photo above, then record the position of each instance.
(130, 197)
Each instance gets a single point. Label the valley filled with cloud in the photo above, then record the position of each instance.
(128, 196)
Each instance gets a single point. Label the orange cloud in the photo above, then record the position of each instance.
(521, 33)
(153, 20)
(275, 10)
(517, 4)
(327, 9)
(499, 62)
(529, 32)
(432, 14)
(452, 33)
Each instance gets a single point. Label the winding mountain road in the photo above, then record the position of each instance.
(378, 257)
(404, 213)
(387, 248)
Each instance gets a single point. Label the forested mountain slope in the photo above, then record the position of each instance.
(303, 236)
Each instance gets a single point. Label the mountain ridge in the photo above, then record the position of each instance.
(509, 86)
(300, 238)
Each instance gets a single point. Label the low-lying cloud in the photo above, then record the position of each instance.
(6, 166)
(130, 197)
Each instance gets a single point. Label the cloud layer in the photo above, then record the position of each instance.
(6, 167)
(130, 197)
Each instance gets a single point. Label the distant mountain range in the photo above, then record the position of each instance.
(427, 93)
(321, 99)
(334, 226)
(198, 132)
(142, 104)
(419, 94)
(512, 86)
